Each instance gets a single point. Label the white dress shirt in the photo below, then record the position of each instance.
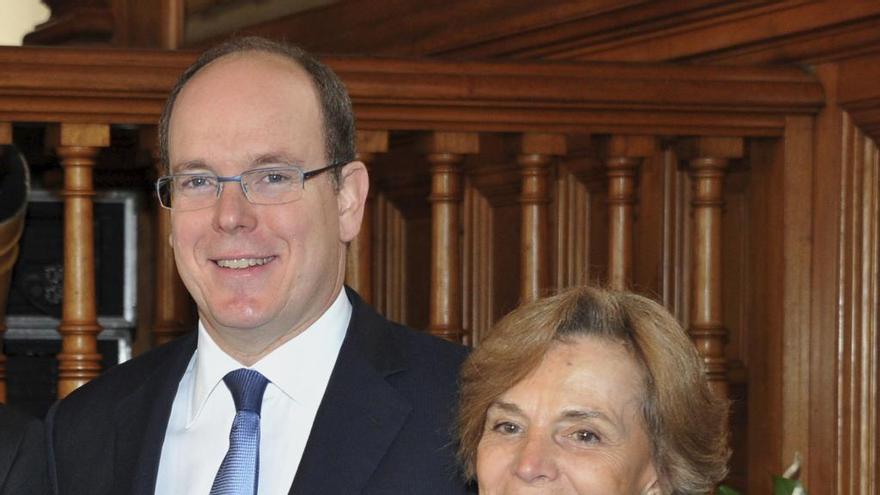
(197, 436)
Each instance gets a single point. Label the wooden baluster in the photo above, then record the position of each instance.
(708, 158)
(446, 151)
(359, 264)
(172, 304)
(79, 361)
(624, 155)
(537, 153)
(5, 139)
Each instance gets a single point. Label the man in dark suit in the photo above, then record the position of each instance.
(292, 384)
(22, 454)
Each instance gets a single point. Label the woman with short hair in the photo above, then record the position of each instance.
(590, 392)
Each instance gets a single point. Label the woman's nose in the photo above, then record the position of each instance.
(535, 462)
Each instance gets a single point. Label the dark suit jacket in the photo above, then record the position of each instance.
(22, 455)
(382, 427)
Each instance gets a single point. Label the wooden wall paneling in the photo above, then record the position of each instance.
(857, 94)
(822, 472)
(445, 152)
(708, 158)
(857, 372)
(172, 303)
(746, 32)
(401, 178)
(742, 31)
(537, 153)
(597, 195)
(573, 217)
(477, 264)
(858, 376)
(654, 268)
(148, 24)
(798, 240)
(79, 361)
(736, 289)
(389, 288)
(679, 299)
(359, 263)
(490, 267)
(757, 437)
(491, 224)
(623, 158)
(343, 27)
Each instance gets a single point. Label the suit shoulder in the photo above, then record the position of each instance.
(119, 380)
(422, 343)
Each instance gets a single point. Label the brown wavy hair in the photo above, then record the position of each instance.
(686, 423)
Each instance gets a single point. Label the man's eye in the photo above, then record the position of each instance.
(276, 178)
(506, 428)
(196, 182)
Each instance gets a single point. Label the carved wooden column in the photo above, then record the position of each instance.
(623, 157)
(537, 152)
(708, 158)
(172, 303)
(359, 263)
(79, 361)
(445, 152)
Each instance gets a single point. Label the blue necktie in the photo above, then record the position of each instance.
(239, 472)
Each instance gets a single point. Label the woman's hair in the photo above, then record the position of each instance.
(686, 423)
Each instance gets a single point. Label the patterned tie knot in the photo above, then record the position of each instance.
(247, 387)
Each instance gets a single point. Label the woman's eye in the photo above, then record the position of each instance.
(586, 436)
(506, 428)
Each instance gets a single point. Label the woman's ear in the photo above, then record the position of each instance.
(653, 488)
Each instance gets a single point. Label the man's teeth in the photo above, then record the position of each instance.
(243, 262)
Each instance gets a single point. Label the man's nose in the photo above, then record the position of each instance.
(233, 212)
(535, 462)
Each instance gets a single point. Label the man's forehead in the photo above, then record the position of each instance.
(252, 64)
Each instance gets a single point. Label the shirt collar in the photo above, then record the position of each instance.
(310, 354)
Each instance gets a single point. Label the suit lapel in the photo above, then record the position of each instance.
(142, 418)
(361, 413)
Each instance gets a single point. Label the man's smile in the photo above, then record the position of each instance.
(241, 263)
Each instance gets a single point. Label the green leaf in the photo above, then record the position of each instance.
(783, 486)
(726, 490)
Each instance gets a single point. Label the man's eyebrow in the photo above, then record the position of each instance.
(189, 165)
(274, 159)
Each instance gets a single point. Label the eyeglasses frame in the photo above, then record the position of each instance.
(306, 175)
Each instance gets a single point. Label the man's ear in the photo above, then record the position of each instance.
(352, 195)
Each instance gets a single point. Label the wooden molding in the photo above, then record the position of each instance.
(128, 86)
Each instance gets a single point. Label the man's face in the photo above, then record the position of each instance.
(259, 274)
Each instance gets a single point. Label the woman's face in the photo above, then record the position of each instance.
(572, 426)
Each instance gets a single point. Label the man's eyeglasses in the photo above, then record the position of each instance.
(273, 185)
